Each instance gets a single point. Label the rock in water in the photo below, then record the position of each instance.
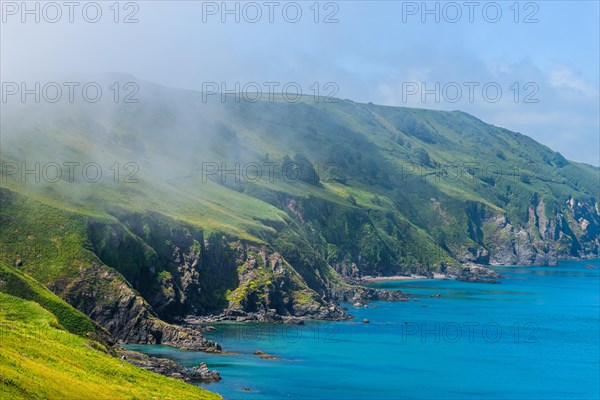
(202, 373)
(170, 368)
(477, 273)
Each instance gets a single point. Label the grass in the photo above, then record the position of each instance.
(14, 283)
(39, 360)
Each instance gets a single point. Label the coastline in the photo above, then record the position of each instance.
(402, 277)
(380, 342)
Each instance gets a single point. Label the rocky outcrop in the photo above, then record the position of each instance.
(163, 366)
(479, 255)
(477, 273)
(331, 313)
(202, 373)
(571, 231)
(171, 264)
(354, 294)
(105, 296)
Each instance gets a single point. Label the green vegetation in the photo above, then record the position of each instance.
(268, 205)
(41, 360)
(20, 285)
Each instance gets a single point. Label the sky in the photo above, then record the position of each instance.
(532, 67)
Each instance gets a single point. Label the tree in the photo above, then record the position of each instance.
(306, 171)
(423, 156)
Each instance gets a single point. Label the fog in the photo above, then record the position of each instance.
(513, 67)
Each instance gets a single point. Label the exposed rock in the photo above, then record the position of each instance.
(572, 233)
(125, 314)
(478, 255)
(238, 315)
(356, 294)
(169, 368)
(477, 273)
(264, 356)
(202, 373)
(293, 321)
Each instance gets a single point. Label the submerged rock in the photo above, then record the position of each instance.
(264, 356)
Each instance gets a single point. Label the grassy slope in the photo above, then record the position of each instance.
(20, 285)
(170, 135)
(40, 360)
(55, 351)
(377, 149)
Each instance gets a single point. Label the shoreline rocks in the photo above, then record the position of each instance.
(478, 274)
(202, 373)
(170, 368)
(328, 312)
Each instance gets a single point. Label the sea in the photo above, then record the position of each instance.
(534, 335)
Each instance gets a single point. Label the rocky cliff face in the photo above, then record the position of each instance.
(547, 236)
(543, 238)
(180, 273)
(107, 298)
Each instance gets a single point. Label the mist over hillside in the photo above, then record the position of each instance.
(205, 204)
(320, 200)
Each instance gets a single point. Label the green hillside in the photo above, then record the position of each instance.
(267, 210)
(51, 350)
(39, 359)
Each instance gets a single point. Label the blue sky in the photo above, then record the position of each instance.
(376, 51)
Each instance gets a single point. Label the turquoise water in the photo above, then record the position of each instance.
(534, 336)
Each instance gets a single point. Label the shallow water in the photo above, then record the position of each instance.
(533, 336)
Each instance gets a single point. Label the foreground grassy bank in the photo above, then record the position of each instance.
(39, 359)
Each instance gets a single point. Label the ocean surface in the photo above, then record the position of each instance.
(536, 335)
